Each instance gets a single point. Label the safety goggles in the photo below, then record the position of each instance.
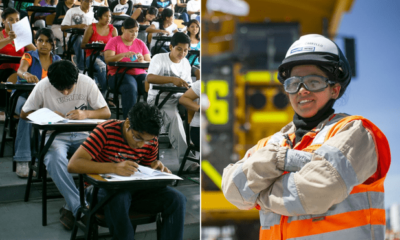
(312, 83)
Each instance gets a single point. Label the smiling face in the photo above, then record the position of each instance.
(306, 103)
(193, 29)
(43, 44)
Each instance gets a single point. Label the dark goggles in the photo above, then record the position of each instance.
(312, 83)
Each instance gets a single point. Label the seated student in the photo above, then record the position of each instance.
(163, 4)
(121, 7)
(190, 99)
(100, 3)
(61, 9)
(180, 7)
(171, 69)
(124, 48)
(34, 66)
(165, 25)
(67, 93)
(40, 17)
(193, 7)
(137, 3)
(193, 31)
(9, 16)
(102, 32)
(145, 17)
(78, 17)
(136, 139)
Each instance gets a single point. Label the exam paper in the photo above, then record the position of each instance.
(23, 31)
(145, 173)
(45, 116)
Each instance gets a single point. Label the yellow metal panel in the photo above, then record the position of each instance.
(341, 7)
(210, 171)
(270, 117)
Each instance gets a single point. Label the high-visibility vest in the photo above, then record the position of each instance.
(360, 216)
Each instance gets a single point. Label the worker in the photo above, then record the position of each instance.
(322, 175)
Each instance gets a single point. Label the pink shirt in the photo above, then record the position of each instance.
(118, 46)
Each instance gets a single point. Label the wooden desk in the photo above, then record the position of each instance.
(39, 152)
(97, 49)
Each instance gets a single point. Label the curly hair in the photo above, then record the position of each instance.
(144, 118)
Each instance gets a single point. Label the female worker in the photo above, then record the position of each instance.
(322, 175)
(101, 32)
(33, 68)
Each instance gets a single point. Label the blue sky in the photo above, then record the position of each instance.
(375, 92)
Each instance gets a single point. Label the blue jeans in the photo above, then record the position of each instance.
(99, 72)
(56, 162)
(185, 17)
(23, 139)
(128, 89)
(79, 52)
(170, 202)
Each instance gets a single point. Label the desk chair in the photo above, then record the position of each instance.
(96, 216)
(191, 148)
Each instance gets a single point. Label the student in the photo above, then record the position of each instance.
(180, 7)
(136, 139)
(121, 8)
(9, 16)
(40, 17)
(145, 17)
(67, 93)
(322, 175)
(193, 31)
(169, 70)
(193, 7)
(102, 32)
(165, 25)
(190, 99)
(61, 9)
(34, 67)
(137, 3)
(78, 17)
(163, 4)
(122, 49)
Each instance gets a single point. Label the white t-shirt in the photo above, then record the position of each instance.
(143, 2)
(75, 16)
(193, 6)
(196, 118)
(162, 65)
(85, 92)
(170, 29)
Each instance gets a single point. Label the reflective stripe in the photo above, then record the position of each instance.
(356, 233)
(320, 138)
(240, 180)
(290, 196)
(276, 138)
(335, 157)
(379, 232)
(296, 159)
(353, 202)
(269, 219)
(377, 200)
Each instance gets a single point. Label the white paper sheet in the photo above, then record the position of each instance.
(145, 173)
(24, 34)
(45, 116)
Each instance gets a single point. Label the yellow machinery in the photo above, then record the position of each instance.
(240, 56)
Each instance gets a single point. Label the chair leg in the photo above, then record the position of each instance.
(75, 228)
(4, 137)
(158, 226)
(29, 183)
(44, 197)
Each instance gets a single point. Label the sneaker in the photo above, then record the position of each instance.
(67, 219)
(193, 168)
(22, 169)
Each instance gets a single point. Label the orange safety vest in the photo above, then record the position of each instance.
(360, 216)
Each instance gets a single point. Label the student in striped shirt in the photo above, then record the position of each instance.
(136, 140)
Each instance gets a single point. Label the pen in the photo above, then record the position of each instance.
(136, 161)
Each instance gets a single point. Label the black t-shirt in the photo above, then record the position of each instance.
(61, 9)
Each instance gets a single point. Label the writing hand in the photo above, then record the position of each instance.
(126, 168)
(179, 82)
(76, 115)
(159, 166)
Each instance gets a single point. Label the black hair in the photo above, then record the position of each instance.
(144, 118)
(164, 14)
(130, 23)
(151, 11)
(100, 11)
(48, 33)
(179, 37)
(7, 12)
(198, 24)
(63, 74)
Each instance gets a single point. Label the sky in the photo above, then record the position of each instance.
(375, 91)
